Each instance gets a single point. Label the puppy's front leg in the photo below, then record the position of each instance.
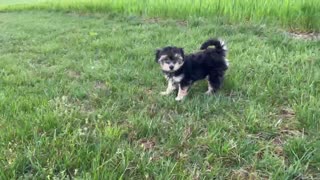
(171, 87)
(183, 91)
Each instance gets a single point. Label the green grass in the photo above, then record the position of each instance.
(15, 2)
(79, 97)
(298, 14)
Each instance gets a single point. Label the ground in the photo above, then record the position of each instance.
(79, 97)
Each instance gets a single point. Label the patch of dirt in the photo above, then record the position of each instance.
(147, 144)
(287, 123)
(278, 141)
(159, 20)
(281, 138)
(65, 105)
(187, 133)
(152, 110)
(291, 132)
(286, 118)
(246, 173)
(149, 91)
(304, 35)
(287, 127)
(73, 74)
(182, 23)
(100, 85)
(169, 153)
(153, 20)
(132, 136)
(287, 113)
(278, 150)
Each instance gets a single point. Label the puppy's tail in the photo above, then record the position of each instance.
(220, 46)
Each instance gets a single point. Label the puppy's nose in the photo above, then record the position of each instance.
(171, 67)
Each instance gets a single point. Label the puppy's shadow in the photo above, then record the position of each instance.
(199, 88)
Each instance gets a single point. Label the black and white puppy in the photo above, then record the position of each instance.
(182, 70)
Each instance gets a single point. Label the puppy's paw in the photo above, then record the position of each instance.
(208, 93)
(164, 93)
(179, 98)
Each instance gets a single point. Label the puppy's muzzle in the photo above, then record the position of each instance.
(171, 67)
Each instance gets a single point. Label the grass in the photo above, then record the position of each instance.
(17, 2)
(302, 15)
(79, 97)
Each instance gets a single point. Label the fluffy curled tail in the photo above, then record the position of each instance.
(220, 46)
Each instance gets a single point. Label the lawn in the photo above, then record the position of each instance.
(79, 97)
(297, 15)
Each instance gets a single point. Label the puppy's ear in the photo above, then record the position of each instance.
(158, 55)
(181, 52)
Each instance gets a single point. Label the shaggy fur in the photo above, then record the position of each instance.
(182, 70)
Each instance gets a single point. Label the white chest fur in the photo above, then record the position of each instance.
(177, 79)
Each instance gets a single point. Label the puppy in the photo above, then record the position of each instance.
(181, 70)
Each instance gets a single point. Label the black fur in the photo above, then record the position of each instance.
(220, 49)
(210, 62)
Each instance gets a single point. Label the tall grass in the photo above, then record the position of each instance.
(301, 14)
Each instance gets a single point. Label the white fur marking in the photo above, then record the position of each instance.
(171, 87)
(162, 57)
(177, 78)
(227, 62)
(182, 93)
(210, 89)
(223, 44)
(178, 56)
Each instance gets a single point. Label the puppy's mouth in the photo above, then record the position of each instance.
(171, 71)
(168, 70)
(173, 68)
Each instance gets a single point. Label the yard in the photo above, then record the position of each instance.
(79, 98)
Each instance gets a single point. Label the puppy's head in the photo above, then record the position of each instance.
(170, 58)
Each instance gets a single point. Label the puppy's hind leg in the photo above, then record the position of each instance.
(214, 82)
(171, 87)
(210, 88)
